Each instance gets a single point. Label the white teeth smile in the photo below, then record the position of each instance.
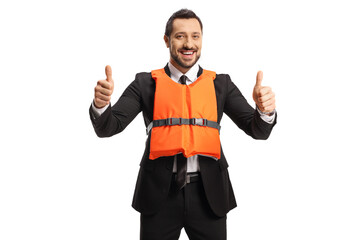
(188, 53)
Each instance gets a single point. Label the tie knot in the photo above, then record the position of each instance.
(182, 79)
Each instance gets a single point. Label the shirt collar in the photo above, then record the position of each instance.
(175, 74)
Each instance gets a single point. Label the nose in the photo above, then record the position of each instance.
(188, 43)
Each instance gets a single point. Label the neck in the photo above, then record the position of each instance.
(178, 67)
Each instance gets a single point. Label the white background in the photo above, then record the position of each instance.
(59, 181)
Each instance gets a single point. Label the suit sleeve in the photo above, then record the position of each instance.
(243, 115)
(115, 118)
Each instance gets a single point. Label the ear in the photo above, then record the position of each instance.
(167, 41)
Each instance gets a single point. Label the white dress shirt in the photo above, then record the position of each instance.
(175, 74)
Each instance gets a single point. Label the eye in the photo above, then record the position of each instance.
(196, 36)
(179, 36)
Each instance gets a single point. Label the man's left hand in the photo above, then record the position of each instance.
(263, 96)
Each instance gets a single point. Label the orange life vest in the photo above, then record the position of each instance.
(186, 117)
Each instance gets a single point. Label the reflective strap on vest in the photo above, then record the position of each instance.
(182, 121)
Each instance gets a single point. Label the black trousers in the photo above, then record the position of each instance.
(188, 209)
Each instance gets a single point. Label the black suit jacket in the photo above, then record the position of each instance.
(155, 176)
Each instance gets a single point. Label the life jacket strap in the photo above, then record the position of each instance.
(182, 121)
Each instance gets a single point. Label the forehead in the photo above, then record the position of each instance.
(190, 25)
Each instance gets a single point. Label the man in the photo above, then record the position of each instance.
(183, 180)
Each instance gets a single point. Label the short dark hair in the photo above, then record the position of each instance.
(182, 14)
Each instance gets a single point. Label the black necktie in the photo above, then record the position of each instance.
(182, 79)
(181, 161)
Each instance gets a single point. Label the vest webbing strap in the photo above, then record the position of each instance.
(182, 121)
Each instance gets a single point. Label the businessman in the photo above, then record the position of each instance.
(183, 181)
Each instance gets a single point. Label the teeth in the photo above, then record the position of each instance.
(188, 53)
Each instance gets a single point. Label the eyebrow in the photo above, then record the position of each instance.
(185, 33)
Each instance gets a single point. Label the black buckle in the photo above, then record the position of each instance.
(168, 122)
(173, 121)
(198, 121)
(176, 121)
(205, 122)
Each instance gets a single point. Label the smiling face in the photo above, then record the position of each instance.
(184, 43)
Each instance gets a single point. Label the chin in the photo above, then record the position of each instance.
(188, 64)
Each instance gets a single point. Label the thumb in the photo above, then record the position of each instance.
(259, 78)
(108, 73)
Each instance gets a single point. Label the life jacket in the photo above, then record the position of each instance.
(184, 117)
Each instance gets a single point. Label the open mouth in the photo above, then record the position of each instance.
(187, 53)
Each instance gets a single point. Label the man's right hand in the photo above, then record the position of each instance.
(104, 89)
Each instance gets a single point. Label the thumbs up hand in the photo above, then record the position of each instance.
(104, 89)
(263, 96)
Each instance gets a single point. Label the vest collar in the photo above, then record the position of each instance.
(167, 70)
